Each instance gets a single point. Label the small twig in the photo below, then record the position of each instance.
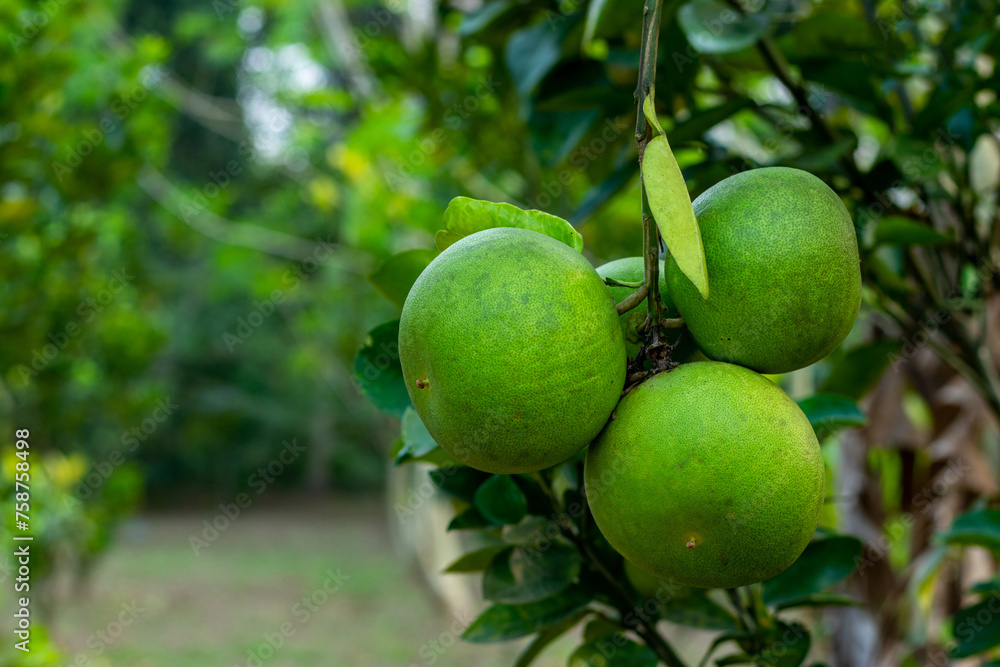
(633, 300)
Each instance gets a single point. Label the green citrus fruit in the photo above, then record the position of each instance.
(511, 351)
(708, 475)
(783, 274)
(632, 269)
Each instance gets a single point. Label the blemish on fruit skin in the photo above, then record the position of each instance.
(423, 384)
(517, 415)
(690, 544)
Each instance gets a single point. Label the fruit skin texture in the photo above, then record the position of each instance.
(516, 340)
(783, 272)
(632, 269)
(708, 476)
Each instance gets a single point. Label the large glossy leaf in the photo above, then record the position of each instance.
(502, 622)
(829, 413)
(857, 371)
(501, 500)
(547, 636)
(977, 628)
(394, 277)
(613, 651)
(526, 574)
(460, 482)
(712, 26)
(475, 561)
(897, 230)
(821, 565)
(979, 527)
(378, 373)
(465, 216)
(671, 206)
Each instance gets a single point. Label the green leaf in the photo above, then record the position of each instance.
(897, 230)
(697, 610)
(613, 651)
(501, 500)
(519, 575)
(547, 636)
(476, 21)
(735, 659)
(556, 134)
(829, 413)
(988, 586)
(787, 646)
(598, 195)
(460, 482)
(394, 277)
(470, 519)
(502, 622)
(532, 52)
(979, 527)
(821, 565)
(704, 120)
(819, 600)
(671, 206)
(606, 18)
(977, 628)
(649, 111)
(528, 531)
(712, 26)
(465, 216)
(475, 561)
(858, 370)
(378, 373)
(417, 441)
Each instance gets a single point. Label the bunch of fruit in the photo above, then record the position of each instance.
(706, 475)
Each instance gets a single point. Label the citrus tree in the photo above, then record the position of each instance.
(745, 86)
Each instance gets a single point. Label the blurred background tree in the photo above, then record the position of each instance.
(193, 194)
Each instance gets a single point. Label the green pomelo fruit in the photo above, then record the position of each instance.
(511, 351)
(708, 475)
(783, 271)
(632, 269)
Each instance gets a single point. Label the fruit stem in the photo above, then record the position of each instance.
(651, 13)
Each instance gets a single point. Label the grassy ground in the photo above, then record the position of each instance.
(211, 609)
